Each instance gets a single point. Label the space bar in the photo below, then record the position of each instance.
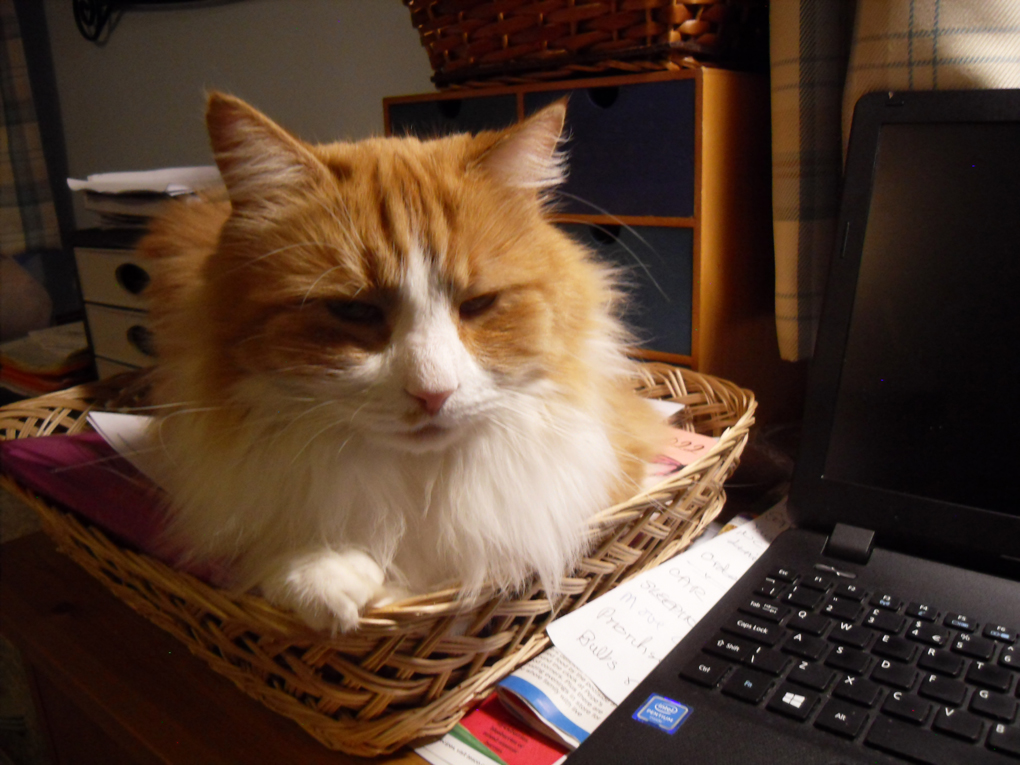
(920, 745)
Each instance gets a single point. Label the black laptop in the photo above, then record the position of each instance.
(883, 627)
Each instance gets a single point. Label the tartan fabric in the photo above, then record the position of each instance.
(28, 218)
(810, 43)
(825, 54)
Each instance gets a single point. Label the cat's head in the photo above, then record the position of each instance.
(414, 287)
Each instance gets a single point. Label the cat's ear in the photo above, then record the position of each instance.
(527, 155)
(261, 163)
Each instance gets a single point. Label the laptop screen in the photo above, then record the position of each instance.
(914, 409)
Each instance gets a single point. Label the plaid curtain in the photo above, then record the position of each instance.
(825, 54)
(28, 218)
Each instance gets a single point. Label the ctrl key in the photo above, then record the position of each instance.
(1005, 738)
(705, 670)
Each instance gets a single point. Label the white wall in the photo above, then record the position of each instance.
(318, 67)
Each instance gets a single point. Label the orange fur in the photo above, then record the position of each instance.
(262, 287)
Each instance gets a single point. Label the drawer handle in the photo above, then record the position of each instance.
(132, 278)
(604, 97)
(449, 107)
(605, 233)
(141, 338)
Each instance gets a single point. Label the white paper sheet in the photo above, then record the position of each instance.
(166, 180)
(619, 638)
(130, 435)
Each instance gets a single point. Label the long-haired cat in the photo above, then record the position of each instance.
(387, 371)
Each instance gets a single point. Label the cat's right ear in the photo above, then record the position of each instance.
(261, 163)
(527, 155)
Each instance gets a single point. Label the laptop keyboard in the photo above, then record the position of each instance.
(907, 678)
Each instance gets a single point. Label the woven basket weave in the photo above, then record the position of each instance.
(521, 40)
(412, 669)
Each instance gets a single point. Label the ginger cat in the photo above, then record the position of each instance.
(385, 370)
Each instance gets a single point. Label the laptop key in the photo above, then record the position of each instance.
(995, 705)
(727, 647)
(885, 601)
(747, 685)
(893, 647)
(848, 659)
(885, 621)
(817, 582)
(850, 634)
(767, 660)
(989, 676)
(804, 597)
(752, 629)
(841, 718)
(946, 690)
(859, 690)
(1000, 633)
(812, 675)
(805, 646)
(793, 701)
(765, 609)
(841, 608)
(940, 661)
(923, 632)
(1005, 738)
(1010, 657)
(906, 706)
(922, 611)
(921, 745)
(706, 670)
(770, 588)
(850, 590)
(813, 624)
(784, 575)
(960, 622)
(974, 646)
(959, 723)
(894, 673)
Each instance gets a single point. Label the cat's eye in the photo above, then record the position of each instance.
(356, 312)
(476, 306)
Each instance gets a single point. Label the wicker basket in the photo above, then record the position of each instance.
(414, 668)
(479, 42)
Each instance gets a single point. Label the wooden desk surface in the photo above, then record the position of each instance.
(130, 681)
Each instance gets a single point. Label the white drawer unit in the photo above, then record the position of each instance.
(113, 281)
(120, 335)
(112, 277)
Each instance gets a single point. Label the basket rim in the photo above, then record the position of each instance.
(440, 671)
(444, 602)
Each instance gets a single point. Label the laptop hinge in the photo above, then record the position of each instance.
(850, 543)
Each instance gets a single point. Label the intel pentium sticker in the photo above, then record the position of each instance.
(662, 713)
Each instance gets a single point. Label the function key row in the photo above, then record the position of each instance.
(843, 599)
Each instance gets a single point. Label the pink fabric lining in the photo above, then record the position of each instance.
(84, 474)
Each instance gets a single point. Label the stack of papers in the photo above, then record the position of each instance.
(131, 199)
(46, 360)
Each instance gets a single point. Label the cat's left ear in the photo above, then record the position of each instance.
(527, 155)
(261, 163)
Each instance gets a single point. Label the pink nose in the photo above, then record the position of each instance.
(431, 401)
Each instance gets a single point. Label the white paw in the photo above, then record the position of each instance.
(327, 589)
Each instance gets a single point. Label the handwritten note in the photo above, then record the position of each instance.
(619, 638)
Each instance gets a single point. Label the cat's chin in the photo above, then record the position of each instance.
(426, 438)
